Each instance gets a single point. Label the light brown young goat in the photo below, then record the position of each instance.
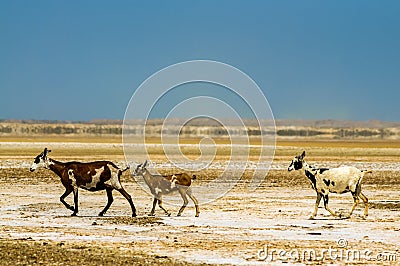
(160, 185)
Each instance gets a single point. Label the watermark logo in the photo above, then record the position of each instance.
(226, 106)
(339, 252)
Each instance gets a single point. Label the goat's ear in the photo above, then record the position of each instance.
(145, 163)
(303, 154)
(45, 152)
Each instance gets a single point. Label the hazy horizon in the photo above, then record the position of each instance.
(287, 122)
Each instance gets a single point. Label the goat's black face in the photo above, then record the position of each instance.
(40, 160)
(37, 159)
(297, 162)
(298, 165)
(140, 169)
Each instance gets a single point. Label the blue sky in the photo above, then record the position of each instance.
(82, 60)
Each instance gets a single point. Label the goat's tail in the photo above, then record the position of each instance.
(194, 177)
(125, 169)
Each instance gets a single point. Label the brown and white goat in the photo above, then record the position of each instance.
(336, 180)
(92, 176)
(160, 185)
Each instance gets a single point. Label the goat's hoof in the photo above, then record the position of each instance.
(74, 214)
(133, 214)
(311, 217)
(178, 215)
(342, 216)
(101, 214)
(168, 214)
(197, 215)
(151, 214)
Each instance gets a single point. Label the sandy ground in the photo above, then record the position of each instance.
(268, 225)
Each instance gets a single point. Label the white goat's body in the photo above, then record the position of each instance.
(338, 180)
(335, 180)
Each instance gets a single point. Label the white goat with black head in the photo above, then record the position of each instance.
(160, 185)
(336, 180)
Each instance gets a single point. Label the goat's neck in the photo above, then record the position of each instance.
(55, 166)
(307, 167)
(147, 176)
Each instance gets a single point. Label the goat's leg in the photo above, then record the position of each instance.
(155, 200)
(356, 200)
(68, 191)
(75, 190)
(365, 200)
(160, 205)
(185, 201)
(326, 199)
(110, 200)
(319, 196)
(196, 203)
(129, 199)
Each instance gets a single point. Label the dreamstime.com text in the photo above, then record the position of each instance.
(338, 252)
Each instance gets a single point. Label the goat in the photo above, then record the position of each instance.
(336, 180)
(92, 176)
(160, 185)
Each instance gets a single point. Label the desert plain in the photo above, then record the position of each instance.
(268, 225)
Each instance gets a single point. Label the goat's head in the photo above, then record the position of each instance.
(41, 160)
(297, 162)
(140, 169)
